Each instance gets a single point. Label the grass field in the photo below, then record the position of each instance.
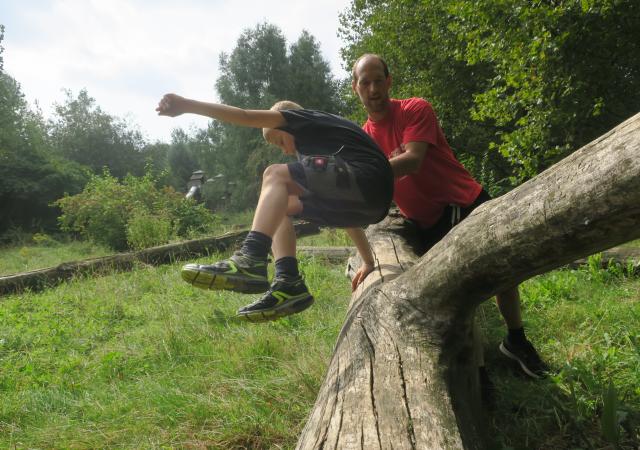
(143, 360)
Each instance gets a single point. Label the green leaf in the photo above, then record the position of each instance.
(609, 420)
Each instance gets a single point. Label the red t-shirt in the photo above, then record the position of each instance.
(441, 180)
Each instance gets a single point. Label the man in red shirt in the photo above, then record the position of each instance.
(432, 189)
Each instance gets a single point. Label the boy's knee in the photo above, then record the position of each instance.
(276, 172)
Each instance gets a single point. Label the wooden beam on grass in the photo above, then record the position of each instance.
(164, 254)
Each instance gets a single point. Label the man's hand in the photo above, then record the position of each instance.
(171, 105)
(361, 274)
(408, 159)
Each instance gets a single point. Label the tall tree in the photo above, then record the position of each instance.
(311, 82)
(82, 132)
(564, 72)
(257, 73)
(31, 176)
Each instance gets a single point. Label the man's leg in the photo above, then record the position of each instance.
(515, 345)
(509, 306)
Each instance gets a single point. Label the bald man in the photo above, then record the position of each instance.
(432, 189)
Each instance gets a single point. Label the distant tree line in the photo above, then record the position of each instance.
(517, 85)
(43, 160)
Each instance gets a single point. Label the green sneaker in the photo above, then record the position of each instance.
(240, 273)
(285, 297)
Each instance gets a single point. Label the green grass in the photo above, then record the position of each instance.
(45, 251)
(586, 324)
(143, 360)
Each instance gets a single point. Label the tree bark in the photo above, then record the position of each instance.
(40, 279)
(402, 374)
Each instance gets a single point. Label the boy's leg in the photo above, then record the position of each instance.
(284, 240)
(288, 293)
(277, 187)
(246, 270)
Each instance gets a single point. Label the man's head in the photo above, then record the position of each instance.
(372, 82)
(280, 138)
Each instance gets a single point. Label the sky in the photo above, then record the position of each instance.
(128, 53)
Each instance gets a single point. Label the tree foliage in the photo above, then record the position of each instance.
(513, 81)
(259, 71)
(83, 133)
(1, 47)
(31, 177)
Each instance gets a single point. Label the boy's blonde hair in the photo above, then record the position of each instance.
(279, 106)
(285, 104)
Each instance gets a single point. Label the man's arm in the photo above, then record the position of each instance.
(410, 160)
(173, 105)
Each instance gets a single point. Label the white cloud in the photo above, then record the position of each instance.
(128, 53)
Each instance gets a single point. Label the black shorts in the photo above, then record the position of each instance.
(332, 196)
(451, 216)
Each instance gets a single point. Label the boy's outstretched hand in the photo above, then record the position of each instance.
(171, 105)
(361, 274)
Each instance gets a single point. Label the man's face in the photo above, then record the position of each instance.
(371, 85)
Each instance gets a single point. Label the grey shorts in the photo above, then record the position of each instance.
(332, 196)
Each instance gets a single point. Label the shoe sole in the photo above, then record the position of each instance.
(283, 310)
(217, 282)
(524, 368)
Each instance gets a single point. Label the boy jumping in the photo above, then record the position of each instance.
(341, 179)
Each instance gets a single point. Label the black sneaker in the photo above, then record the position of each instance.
(285, 297)
(526, 356)
(240, 273)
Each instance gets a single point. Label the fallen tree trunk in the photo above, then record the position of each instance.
(621, 256)
(402, 374)
(164, 254)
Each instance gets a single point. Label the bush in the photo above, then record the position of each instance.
(132, 213)
(148, 230)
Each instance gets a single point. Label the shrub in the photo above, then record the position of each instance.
(148, 230)
(132, 213)
(44, 240)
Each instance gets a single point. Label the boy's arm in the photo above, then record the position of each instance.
(368, 264)
(173, 105)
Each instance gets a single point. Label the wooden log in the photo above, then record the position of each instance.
(40, 279)
(403, 375)
(333, 255)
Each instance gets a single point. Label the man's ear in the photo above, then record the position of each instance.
(353, 86)
(389, 83)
